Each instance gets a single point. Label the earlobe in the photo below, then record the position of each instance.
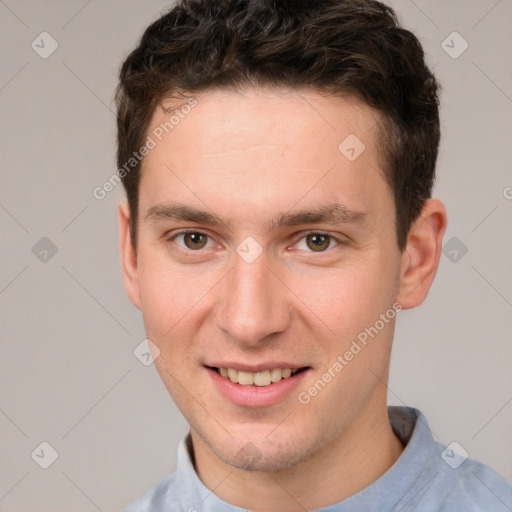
(128, 255)
(421, 256)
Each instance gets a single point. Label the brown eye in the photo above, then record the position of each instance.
(317, 242)
(194, 240)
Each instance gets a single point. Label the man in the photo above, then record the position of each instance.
(278, 159)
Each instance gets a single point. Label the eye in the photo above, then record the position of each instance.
(192, 240)
(316, 242)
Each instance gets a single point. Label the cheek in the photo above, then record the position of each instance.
(355, 351)
(172, 296)
(174, 299)
(345, 299)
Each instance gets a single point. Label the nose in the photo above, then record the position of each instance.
(253, 303)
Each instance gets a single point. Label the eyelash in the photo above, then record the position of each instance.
(321, 233)
(185, 232)
(305, 234)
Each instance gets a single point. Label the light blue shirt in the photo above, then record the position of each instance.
(428, 477)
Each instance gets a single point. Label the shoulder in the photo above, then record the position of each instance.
(153, 498)
(435, 477)
(467, 485)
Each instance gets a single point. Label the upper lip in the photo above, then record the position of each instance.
(255, 368)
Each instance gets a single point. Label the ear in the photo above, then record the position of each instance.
(128, 255)
(420, 258)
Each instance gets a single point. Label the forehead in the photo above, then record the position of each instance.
(261, 116)
(262, 142)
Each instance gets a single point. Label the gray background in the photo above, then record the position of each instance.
(68, 373)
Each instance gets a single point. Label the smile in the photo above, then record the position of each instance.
(261, 379)
(257, 384)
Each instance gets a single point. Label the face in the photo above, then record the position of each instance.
(263, 247)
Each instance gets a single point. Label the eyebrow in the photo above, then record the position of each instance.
(177, 211)
(333, 213)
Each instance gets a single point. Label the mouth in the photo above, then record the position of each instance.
(263, 378)
(261, 388)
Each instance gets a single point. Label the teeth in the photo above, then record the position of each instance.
(233, 375)
(264, 378)
(246, 378)
(276, 374)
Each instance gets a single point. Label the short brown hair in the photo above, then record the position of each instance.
(335, 46)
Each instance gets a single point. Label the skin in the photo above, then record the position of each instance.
(248, 157)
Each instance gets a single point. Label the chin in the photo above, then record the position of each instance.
(263, 454)
(264, 459)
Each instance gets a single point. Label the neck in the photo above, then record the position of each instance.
(362, 453)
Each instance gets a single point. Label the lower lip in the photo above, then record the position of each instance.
(256, 396)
